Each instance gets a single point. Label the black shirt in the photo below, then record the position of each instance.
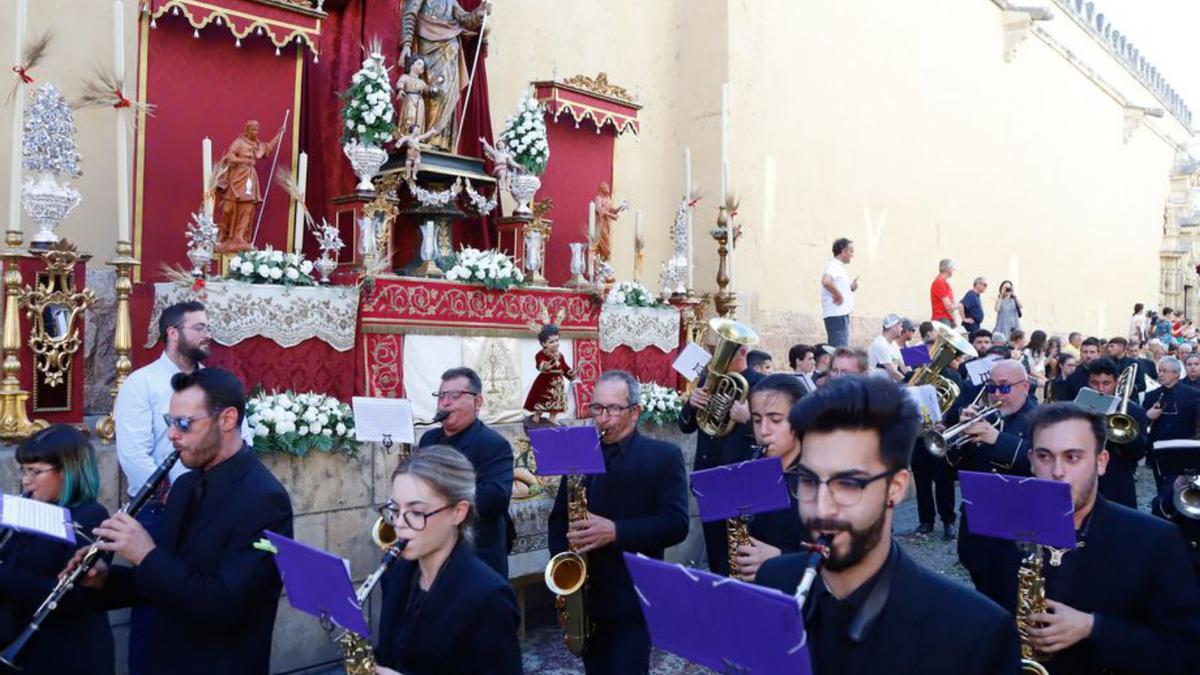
(831, 618)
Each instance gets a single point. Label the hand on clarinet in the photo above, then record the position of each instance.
(591, 533)
(126, 537)
(95, 577)
(750, 558)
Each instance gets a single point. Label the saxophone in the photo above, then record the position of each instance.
(1031, 599)
(566, 576)
(737, 529)
(357, 656)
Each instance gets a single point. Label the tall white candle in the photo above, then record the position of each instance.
(302, 184)
(724, 141)
(206, 154)
(122, 135)
(637, 227)
(687, 173)
(591, 222)
(18, 120)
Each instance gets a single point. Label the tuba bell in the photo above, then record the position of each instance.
(948, 346)
(1186, 496)
(1120, 427)
(724, 389)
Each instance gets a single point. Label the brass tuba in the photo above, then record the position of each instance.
(1031, 599)
(1120, 427)
(948, 346)
(566, 575)
(724, 389)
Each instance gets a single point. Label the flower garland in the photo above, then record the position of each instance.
(492, 268)
(631, 294)
(293, 424)
(660, 405)
(525, 136)
(269, 266)
(368, 112)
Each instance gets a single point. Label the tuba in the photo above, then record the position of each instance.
(566, 575)
(357, 656)
(724, 389)
(1186, 496)
(1031, 599)
(948, 346)
(1120, 427)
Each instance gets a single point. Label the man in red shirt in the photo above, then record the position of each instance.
(941, 297)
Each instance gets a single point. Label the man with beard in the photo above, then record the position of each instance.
(1125, 599)
(1117, 483)
(1089, 351)
(214, 594)
(873, 608)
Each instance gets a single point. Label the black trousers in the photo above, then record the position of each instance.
(933, 479)
(618, 647)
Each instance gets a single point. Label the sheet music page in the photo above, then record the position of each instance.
(978, 369)
(374, 417)
(30, 515)
(691, 361)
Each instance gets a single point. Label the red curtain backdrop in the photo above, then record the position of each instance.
(350, 27)
(311, 365)
(649, 365)
(206, 86)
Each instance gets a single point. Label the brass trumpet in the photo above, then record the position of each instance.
(940, 443)
(1186, 496)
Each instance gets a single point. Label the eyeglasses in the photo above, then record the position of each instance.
(844, 490)
(597, 410)
(184, 424)
(31, 473)
(453, 394)
(201, 328)
(993, 388)
(416, 520)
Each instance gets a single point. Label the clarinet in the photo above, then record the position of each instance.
(822, 549)
(68, 581)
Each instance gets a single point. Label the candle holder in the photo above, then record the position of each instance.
(429, 252)
(578, 266)
(15, 424)
(124, 262)
(725, 300)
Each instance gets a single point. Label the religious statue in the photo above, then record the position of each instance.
(432, 30)
(502, 162)
(607, 212)
(411, 143)
(237, 186)
(548, 395)
(411, 91)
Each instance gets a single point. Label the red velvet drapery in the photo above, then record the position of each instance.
(350, 27)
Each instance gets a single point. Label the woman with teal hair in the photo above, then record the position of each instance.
(57, 466)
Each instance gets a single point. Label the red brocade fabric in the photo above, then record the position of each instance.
(311, 365)
(649, 365)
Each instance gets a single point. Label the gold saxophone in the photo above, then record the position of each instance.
(737, 530)
(724, 389)
(1031, 599)
(357, 656)
(566, 575)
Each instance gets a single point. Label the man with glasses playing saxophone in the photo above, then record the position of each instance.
(1125, 599)
(994, 446)
(640, 504)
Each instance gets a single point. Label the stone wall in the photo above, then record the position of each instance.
(334, 500)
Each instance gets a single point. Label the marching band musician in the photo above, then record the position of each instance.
(214, 594)
(874, 609)
(775, 532)
(460, 396)
(713, 452)
(444, 610)
(640, 504)
(57, 466)
(1174, 408)
(1126, 598)
(998, 448)
(1117, 482)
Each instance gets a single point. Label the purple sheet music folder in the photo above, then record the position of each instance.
(318, 583)
(723, 624)
(1022, 509)
(566, 451)
(915, 356)
(740, 489)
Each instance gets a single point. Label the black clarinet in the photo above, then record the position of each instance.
(68, 581)
(821, 549)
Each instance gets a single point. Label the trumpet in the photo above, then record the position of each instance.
(1186, 496)
(940, 443)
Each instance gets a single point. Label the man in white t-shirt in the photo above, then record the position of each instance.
(883, 354)
(837, 293)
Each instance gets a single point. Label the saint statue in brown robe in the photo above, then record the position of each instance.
(238, 188)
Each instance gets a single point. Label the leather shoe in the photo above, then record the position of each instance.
(924, 528)
(949, 533)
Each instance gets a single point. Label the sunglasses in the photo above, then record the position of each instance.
(184, 424)
(992, 388)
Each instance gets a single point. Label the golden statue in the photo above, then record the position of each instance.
(433, 30)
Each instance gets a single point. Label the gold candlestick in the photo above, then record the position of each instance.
(725, 300)
(124, 262)
(15, 424)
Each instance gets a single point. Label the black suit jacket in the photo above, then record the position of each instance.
(1117, 483)
(214, 595)
(1181, 412)
(1009, 454)
(1134, 574)
(645, 492)
(466, 623)
(927, 623)
(782, 528)
(492, 458)
(76, 638)
(1078, 380)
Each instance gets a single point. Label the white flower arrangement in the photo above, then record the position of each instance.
(492, 268)
(294, 423)
(660, 405)
(269, 266)
(368, 113)
(631, 294)
(525, 136)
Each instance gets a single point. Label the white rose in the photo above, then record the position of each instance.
(235, 262)
(303, 430)
(262, 430)
(284, 427)
(293, 274)
(306, 267)
(267, 414)
(340, 429)
(264, 271)
(362, 128)
(276, 273)
(247, 268)
(327, 432)
(276, 256)
(452, 275)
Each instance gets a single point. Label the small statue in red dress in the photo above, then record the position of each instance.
(548, 395)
